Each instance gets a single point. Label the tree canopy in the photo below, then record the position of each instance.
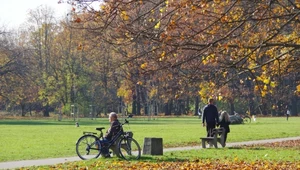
(164, 51)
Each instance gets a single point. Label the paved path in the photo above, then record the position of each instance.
(53, 161)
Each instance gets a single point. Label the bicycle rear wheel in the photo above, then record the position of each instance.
(88, 147)
(129, 148)
(247, 119)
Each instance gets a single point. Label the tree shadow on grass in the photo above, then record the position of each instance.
(54, 122)
(245, 148)
(160, 159)
(34, 122)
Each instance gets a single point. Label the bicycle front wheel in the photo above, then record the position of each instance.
(129, 148)
(88, 147)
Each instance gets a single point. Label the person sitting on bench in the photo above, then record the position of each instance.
(113, 130)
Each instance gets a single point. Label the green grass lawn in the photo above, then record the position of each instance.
(36, 139)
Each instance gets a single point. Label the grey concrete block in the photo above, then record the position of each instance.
(153, 146)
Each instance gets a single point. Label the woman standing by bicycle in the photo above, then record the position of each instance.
(225, 122)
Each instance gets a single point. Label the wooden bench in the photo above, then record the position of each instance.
(218, 136)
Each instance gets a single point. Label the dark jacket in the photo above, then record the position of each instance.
(225, 124)
(210, 114)
(113, 130)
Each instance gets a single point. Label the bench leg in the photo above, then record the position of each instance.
(221, 142)
(216, 144)
(203, 143)
(215, 141)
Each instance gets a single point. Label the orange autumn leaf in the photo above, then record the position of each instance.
(77, 20)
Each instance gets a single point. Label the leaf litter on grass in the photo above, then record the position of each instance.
(204, 164)
(295, 144)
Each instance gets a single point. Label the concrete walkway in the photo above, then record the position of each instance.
(53, 161)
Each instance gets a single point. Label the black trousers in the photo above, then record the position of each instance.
(209, 128)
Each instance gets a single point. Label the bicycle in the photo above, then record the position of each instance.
(91, 146)
(244, 117)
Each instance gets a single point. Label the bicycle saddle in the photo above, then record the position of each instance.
(100, 128)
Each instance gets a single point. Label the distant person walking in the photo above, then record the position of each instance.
(288, 113)
(199, 113)
(210, 117)
(225, 122)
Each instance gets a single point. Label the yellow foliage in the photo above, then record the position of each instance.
(144, 66)
(251, 65)
(151, 20)
(256, 88)
(204, 61)
(265, 87)
(225, 74)
(220, 97)
(267, 80)
(298, 88)
(206, 90)
(258, 78)
(263, 93)
(167, 2)
(162, 9)
(163, 54)
(157, 26)
(153, 92)
(273, 84)
(124, 15)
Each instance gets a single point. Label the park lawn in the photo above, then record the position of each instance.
(37, 139)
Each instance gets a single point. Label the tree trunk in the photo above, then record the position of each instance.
(251, 104)
(146, 109)
(46, 111)
(177, 107)
(23, 109)
(187, 106)
(181, 107)
(138, 108)
(231, 105)
(294, 109)
(168, 108)
(134, 105)
(196, 106)
(155, 108)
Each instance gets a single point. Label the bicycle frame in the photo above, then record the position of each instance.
(114, 139)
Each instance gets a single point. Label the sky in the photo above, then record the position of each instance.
(15, 12)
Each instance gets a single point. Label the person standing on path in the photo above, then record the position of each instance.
(225, 122)
(210, 117)
(288, 113)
